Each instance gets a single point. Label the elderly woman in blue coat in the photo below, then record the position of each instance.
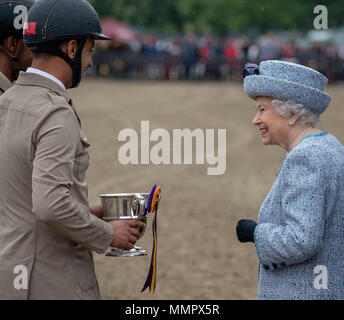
(299, 237)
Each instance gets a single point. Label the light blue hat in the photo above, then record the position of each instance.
(288, 81)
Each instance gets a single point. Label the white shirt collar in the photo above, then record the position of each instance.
(47, 75)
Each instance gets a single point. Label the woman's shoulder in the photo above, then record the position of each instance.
(316, 150)
(319, 151)
(314, 162)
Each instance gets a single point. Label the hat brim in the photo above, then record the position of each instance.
(258, 85)
(101, 36)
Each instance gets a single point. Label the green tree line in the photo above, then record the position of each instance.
(219, 16)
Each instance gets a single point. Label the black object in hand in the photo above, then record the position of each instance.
(245, 230)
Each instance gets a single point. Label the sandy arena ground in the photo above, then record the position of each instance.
(199, 256)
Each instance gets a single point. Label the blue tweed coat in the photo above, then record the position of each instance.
(301, 224)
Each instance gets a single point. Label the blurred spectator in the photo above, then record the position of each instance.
(190, 54)
(269, 48)
(253, 53)
(288, 50)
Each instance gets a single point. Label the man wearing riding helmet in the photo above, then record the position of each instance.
(47, 227)
(14, 56)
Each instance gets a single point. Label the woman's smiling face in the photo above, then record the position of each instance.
(272, 126)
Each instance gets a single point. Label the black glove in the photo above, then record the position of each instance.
(245, 229)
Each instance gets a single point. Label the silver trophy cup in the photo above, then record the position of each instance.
(125, 206)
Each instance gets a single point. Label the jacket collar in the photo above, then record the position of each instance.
(4, 82)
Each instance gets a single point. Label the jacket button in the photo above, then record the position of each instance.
(274, 265)
(266, 267)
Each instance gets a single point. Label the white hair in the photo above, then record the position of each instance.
(305, 114)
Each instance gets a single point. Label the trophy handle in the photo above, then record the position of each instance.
(139, 210)
(138, 206)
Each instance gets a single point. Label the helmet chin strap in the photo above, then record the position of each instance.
(75, 63)
(78, 68)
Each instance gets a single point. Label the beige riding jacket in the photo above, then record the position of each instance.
(46, 228)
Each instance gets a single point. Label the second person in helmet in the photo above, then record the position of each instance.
(14, 55)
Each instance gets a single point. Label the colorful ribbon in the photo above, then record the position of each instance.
(152, 206)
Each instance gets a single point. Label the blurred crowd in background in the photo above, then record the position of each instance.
(191, 57)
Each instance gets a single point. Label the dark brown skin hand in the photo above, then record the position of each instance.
(126, 233)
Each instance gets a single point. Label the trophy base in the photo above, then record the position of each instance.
(134, 252)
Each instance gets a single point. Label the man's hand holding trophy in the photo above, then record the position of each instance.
(126, 231)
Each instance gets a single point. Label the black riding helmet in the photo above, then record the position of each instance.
(12, 18)
(10, 10)
(51, 21)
